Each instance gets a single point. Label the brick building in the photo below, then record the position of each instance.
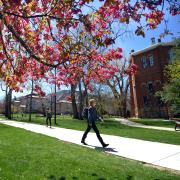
(149, 79)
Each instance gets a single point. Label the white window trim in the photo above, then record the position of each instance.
(150, 55)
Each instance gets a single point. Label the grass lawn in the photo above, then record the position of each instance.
(154, 122)
(112, 128)
(30, 156)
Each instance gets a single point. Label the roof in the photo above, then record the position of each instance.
(64, 95)
(152, 47)
(64, 101)
(34, 95)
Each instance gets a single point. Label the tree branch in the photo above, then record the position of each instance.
(22, 42)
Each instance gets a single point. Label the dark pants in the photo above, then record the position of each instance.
(95, 130)
(48, 119)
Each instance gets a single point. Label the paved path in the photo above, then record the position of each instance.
(135, 124)
(160, 154)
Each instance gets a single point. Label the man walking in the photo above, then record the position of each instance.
(48, 117)
(91, 119)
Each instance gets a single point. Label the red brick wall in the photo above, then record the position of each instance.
(142, 77)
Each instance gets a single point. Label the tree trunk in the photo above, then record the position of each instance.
(124, 108)
(30, 103)
(9, 102)
(51, 101)
(101, 111)
(6, 103)
(73, 98)
(43, 110)
(85, 94)
(81, 101)
(119, 107)
(55, 97)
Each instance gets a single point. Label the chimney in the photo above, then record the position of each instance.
(132, 50)
(153, 41)
(159, 40)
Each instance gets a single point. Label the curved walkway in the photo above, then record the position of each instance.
(134, 124)
(158, 154)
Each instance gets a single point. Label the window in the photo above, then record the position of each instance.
(151, 60)
(170, 55)
(159, 101)
(145, 100)
(144, 62)
(150, 88)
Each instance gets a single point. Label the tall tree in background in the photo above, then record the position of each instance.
(119, 85)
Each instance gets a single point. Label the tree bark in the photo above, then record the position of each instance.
(124, 107)
(81, 101)
(6, 103)
(55, 97)
(30, 103)
(85, 94)
(9, 102)
(73, 98)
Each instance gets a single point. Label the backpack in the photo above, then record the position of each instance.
(85, 113)
(49, 115)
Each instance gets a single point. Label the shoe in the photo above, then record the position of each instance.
(83, 142)
(105, 145)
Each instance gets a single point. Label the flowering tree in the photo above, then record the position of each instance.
(37, 35)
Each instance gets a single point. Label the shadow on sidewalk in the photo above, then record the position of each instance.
(104, 149)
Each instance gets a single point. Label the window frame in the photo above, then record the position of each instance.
(170, 55)
(144, 62)
(149, 56)
(152, 90)
(147, 101)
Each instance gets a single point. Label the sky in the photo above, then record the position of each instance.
(132, 41)
(138, 42)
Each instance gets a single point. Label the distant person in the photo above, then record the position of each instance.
(48, 117)
(90, 114)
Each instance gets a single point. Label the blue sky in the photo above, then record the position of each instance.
(138, 42)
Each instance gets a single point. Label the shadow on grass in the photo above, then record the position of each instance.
(52, 177)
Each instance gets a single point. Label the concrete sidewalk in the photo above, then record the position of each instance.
(135, 124)
(159, 154)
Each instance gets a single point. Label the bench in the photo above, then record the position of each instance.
(177, 122)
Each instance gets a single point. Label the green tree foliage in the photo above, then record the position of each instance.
(171, 95)
(172, 71)
(171, 91)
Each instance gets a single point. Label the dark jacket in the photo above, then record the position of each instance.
(48, 114)
(92, 115)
